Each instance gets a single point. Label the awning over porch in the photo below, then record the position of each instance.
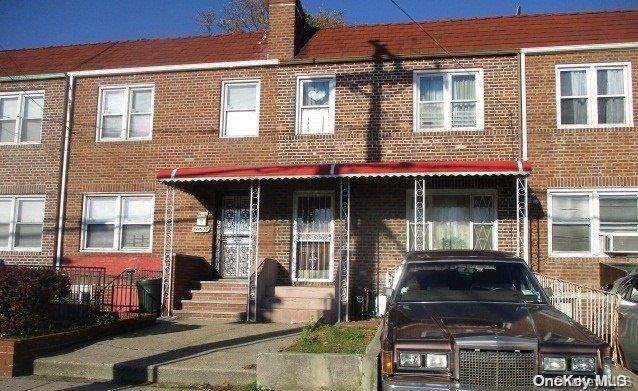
(421, 168)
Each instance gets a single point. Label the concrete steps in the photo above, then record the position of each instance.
(216, 300)
(298, 304)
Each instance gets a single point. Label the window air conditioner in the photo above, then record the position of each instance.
(621, 243)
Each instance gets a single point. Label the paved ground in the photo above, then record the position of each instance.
(173, 352)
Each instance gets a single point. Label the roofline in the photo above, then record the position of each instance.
(578, 48)
(39, 76)
(175, 68)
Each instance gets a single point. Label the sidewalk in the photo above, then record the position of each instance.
(173, 352)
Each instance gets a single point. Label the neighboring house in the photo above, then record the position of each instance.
(330, 153)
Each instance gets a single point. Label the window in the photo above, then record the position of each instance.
(580, 220)
(21, 117)
(451, 100)
(593, 95)
(21, 223)
(454, 220)
(240, 108)
(126, 113)
(315, 105)
(118, 223)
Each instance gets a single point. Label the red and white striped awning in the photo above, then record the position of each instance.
(298, 171)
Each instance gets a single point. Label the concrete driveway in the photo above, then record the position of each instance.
(177, 352)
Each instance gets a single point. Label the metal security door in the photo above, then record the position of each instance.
(235, 237)
(312, 236)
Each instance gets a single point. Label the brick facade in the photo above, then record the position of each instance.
(34, 169)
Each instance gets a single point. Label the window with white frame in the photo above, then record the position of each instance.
(582, 221)
(454, 220)
(315, 105)
(21, 223)
(118, 222)
(450, 100)
(125, 113)
(21, 117)
(240, 108)
(593, 95)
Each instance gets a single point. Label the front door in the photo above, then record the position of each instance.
(234, 236)
(312, 236)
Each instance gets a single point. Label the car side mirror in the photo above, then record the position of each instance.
(549, 291)
(388, 292)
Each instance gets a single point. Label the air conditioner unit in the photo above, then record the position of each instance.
(621, 243)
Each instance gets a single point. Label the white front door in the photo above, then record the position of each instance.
(312, 239)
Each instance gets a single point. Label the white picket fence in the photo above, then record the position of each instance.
(595, 309)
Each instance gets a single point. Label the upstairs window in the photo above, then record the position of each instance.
(126, 113)
(21, 223)
(240, 108)
(21, 117)
(118, 223)
(451, 100)
(593, 95)
(315, 105)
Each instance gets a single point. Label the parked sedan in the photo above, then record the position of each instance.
(479, 320)
(627, 288)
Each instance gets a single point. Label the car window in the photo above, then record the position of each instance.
(468, 281)
(632, 294)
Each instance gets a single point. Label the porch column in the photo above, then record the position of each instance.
(420, 238)
(167, 258)
(344, 261)
(522, 218)
(251, 306)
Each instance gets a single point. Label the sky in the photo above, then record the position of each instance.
(36, 23)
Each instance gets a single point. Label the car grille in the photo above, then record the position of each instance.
(496, 369)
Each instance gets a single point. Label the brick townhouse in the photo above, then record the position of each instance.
(299, 165)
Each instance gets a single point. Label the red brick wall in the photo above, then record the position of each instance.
(35, 169)
(573, 158)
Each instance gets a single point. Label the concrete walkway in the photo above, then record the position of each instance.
(193, 352)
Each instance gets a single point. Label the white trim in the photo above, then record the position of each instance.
(471, 193)
(126, 115)
(594, 194)
(592, 94)
(293, 253)
(20, 96)
(12, 221)
(447, 99)
(175, 68)
(331, 103)
(117, 245)
(42, 76)
(575, 48)
(222, 109)
(523, 103)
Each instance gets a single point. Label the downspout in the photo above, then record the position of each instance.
(65, 168)
(523, 104)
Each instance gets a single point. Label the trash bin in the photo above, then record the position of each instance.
(149, 292)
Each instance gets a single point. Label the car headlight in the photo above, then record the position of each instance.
(554, 364)
(436, 360)
(583, 364)
(410, 359)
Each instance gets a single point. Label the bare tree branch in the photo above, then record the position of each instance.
(206, 20)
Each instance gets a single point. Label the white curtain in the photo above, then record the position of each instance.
(450, 222)
(8, 112)
(573, 110)
(463, 113)
(611, 110)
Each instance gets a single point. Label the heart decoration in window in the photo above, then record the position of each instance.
(316, 95)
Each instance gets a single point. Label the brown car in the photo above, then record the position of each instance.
(479, 320)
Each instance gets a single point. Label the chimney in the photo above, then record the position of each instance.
(287, 28)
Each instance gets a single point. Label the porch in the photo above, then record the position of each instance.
(319, 239)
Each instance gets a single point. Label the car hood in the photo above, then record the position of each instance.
(456, 320)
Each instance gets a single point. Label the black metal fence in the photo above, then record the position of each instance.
(92, 293)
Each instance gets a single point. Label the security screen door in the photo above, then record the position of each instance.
(234, 238)
(313, 236)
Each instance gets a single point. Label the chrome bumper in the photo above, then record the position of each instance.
(397, 384)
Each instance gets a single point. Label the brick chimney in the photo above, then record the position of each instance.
(287, 28)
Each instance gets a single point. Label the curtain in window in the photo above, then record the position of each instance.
(5, 222)
(141, 101)
(571, 224)
(32, 119)
(100, 225)
(136, 222)
(113, 113)
(431, 102)
(463, 89)
(29, 220)
(8, 113)
(611, 110)
(450, 222)
(573, 110)
(316, 93)
(618, 214)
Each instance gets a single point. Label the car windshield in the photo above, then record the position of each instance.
(468, 281)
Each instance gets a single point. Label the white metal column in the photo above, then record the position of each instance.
(251, 305)
(344, 260)
(420, 239)
(167, 258)
(522, 218)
